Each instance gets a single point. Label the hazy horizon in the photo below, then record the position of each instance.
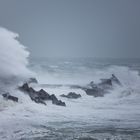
(81, 28)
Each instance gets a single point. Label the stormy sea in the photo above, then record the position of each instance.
(113, 116)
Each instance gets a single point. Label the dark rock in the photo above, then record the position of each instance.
(43, 95)
(38, 100)
(106, 82)
(100, 89)
(31, 90)
(71, 95)
(96, 92)
(115, 80)
(25, 87)
(34, 97)
(92, 84)
(40, 96)
(10, 97)
(52, 97)
(58, 102)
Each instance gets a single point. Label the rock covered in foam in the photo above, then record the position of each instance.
(100, 89)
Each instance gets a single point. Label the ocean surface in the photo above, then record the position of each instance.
(116, 116)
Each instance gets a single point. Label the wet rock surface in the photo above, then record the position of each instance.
(96, 92)
(71, 95)
(7, 96)
(100, 89)
(40, 96)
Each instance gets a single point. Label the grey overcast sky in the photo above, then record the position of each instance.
(75, 28)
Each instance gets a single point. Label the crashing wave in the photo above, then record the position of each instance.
(13, 59)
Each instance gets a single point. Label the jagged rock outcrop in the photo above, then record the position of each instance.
(43, 95)
(40, 96)
(115, 80)
(7, 96)
(71, 95)
(100, 89)
(96, 92)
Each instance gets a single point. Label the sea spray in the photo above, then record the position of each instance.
(13, 59)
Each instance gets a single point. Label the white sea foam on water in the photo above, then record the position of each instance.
(119, 108)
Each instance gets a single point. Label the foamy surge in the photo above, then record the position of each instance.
(119, 108)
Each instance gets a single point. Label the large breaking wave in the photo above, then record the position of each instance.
(13, 59)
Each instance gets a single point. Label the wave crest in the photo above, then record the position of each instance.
(13, 57)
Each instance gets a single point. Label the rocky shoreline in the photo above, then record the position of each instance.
(41, 96)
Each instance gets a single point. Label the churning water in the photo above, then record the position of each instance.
(116, 116)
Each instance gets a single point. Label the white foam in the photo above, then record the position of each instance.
(13, 58)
